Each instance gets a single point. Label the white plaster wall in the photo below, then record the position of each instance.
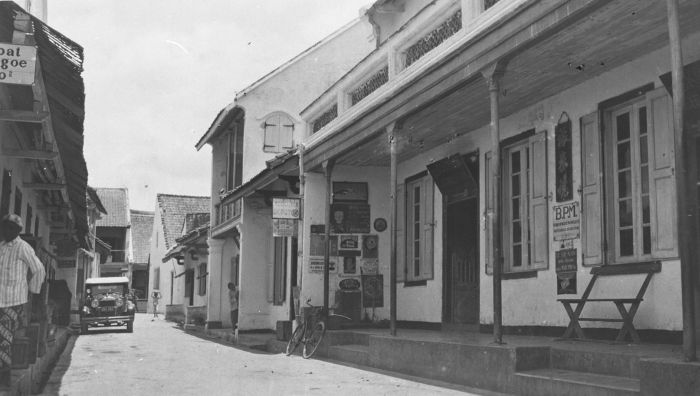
(256, 260)
(314, 213)
(296, 86)
(157, 252)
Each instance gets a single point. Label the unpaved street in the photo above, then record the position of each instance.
(160, 359)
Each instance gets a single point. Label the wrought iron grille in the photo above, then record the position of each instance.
(370, 85)
(489, 3)
(434, 38)
(323, 120)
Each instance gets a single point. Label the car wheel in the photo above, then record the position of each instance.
(84, 328)
(130, 327)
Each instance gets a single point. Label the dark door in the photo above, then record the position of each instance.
(189, 285)
(461, 262)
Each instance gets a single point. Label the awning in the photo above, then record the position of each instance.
(283, 165)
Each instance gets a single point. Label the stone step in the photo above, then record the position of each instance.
(597, 362)
(555, 382)
(350, 353)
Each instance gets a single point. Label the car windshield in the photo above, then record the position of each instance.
(105, 289)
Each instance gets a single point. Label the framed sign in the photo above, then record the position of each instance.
(286, 208)
(284, 227)
(566, 221)
(562, 157)
(350, 218)
(379, 224)
(350, 192)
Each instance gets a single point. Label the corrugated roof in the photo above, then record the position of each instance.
(173, 209)
(141, 230)
(116, 201)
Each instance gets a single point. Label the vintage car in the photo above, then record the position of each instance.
(107, 302)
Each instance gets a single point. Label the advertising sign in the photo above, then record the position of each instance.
(17, 64)
(284, 227)
(286, 208)
(567, 219)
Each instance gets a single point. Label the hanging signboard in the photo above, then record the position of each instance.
(17, 64)
(284, 227)
(286, 208)
(567, 219)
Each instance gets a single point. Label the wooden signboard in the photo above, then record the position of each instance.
(17, 64)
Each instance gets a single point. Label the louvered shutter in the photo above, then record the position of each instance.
(664, 234)
(400, 233)
(488, 209)
(539, 207)
(428, 223)
(591, 197)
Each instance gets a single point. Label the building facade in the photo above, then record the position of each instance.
(586, 161)
(251, 134)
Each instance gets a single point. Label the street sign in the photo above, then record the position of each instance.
(17, 64)
(286, 208)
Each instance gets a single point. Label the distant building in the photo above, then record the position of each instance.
(168, 277)
(141, 231)
(115, 230)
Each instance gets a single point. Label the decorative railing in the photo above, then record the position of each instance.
(370, 85)
(326, 117)
(227, 211)
(434, 38)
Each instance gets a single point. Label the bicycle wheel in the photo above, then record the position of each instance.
(295, 339)
(314, 339)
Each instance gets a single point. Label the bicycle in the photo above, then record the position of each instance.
(310, 332)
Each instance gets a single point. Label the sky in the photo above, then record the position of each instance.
(157, 72)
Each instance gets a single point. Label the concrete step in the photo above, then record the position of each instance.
(341, 337)
(555, 382)
(597, 362)
(350, 353)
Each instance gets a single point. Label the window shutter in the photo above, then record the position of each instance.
(488, 209)
(428, 222)
(286, 134)
(539, 207)
(591, 197)
(664, 233)
(272, 133)
(400, 233)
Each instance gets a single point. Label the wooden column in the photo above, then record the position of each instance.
(394, 219)
(682, 184)
(493, 76)
(328, 170)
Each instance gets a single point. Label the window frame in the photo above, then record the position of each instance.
(234, 157)
(611, 192)
(279, 268)
(415, 267)
(202, 278)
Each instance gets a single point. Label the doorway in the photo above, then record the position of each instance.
(461, 262)
(455, 178)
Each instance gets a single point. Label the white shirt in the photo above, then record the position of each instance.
(17, 258)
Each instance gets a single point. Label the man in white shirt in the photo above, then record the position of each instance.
(21, 272)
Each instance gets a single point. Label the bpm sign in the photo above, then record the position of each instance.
(17, 64)
(567, 220)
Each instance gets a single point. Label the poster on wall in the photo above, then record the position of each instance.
(350, 191)
(318, 245)
(369, 266)
(284, 227)
(566, 283)
(316, 266)
(372, 291)
(350, 218)
(350, 265)
(565, 260)
(369, 246)
(562, 157)
(566, 221)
